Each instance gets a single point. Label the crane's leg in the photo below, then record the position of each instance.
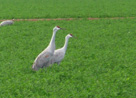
(58, 63)
(50, 63)
(47, 65)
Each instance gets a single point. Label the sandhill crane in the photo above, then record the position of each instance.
(6, 22)
(42, 60)
(60, 53)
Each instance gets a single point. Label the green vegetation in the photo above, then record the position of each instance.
(66, 9)
(100, 63)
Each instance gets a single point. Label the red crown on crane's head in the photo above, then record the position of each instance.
(58, 26)
(71, 34)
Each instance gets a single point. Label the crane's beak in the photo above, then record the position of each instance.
(74, 37)
(62, 29)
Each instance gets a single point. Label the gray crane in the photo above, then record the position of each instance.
(42, 60)
(6, 22)
(60, 53)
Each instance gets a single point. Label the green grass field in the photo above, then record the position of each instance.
(100, 63)
(66, 9)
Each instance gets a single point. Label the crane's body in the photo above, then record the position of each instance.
(60, 53)
(6, 22)
(42, 60)
(58, 56)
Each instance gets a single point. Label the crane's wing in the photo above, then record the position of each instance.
(42, 59)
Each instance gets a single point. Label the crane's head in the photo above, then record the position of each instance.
(70, 35)
(56, 28)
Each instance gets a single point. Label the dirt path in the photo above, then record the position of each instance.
(48, 19)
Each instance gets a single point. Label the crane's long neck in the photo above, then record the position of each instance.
(66, 44)
(52, 42)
